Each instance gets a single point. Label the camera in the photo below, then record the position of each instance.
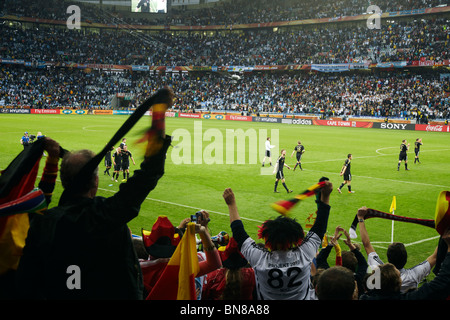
(194, 217)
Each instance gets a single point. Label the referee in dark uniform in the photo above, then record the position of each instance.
(403, 156)
(299, 149)
(279, 170)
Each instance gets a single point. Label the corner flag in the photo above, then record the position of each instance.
(392, 211)
(393, 205)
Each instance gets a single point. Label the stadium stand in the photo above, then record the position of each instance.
(399, 70)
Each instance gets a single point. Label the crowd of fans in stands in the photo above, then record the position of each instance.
(399, 41)
(227, 13)
(380, 95)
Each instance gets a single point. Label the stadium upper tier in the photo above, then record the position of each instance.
(426, 39)
(221, 13)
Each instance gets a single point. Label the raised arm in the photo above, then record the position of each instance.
(230, 200)
(239, 233)
(323, 210)
(212, 261)
(363, 231)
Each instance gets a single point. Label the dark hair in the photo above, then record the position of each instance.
(397, 255)
(349, 260)
(390, 280)
(335, 283)
(139, 247)
(282, 233)
(71, 165)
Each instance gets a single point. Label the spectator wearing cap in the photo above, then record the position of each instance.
(161, 243)
(234, 281)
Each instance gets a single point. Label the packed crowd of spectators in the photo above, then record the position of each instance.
(55, 88)
(227, 13)
(233, 12)
(399, 41)
(393, 95)
(380, 95)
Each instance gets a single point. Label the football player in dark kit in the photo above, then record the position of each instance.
(126, 156)
(299, 150)
(108, 161)
(417, 145)
(346, 172)
(403, 156)
(279, 170)
(117, 163)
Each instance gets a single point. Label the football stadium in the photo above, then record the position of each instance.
(222, 150)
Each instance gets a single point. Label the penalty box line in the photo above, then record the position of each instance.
(384, 179)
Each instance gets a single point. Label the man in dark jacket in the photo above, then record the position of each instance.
(82, 249)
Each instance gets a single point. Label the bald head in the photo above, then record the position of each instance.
(71, 166)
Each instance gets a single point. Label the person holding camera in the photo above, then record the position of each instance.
(162, 242)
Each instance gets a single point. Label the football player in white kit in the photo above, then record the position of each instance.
(283, 266)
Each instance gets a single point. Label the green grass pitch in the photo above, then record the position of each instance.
(185, 188)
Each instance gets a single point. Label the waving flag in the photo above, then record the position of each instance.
(33, 201)
(16, 181)
(154, 135)
(442, 216)
(284, 206)
(177, 281)
(161, 97)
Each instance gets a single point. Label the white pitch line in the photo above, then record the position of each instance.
(383, 154)
(390, 154)
(385, 179)
(186, 206)
(420, 241)
(377, 244)
(374, 156)
(86, 128)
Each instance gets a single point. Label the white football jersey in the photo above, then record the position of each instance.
(410, 277)
(282, 275)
